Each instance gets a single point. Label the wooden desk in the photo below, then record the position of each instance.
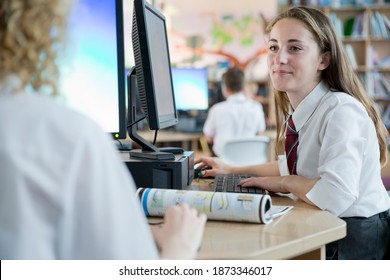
(188, 141)
(300, 234)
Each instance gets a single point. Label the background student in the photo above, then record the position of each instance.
(236, 117)
(338, 139)
(64, 192)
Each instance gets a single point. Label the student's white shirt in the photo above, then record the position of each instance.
(339, 145)
(64, 192)
(237, 117)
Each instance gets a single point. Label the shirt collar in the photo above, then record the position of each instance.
(237, 97)
(308, 105)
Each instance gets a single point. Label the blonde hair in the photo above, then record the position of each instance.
(339, 75)
(32, 34)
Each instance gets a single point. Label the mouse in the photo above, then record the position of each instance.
(198, 171)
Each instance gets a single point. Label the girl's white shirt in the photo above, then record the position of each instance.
(338, 143)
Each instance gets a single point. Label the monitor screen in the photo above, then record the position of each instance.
(191, 88)
(153, 66)
(151, 79)
(93, 79)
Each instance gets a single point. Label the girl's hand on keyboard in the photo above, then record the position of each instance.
(211, 166)
(298, 185)
(271, 184)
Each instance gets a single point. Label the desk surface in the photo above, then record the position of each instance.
(302, 233)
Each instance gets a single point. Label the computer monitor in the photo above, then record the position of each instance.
(191, 88)
(151, 78)
(93, 77)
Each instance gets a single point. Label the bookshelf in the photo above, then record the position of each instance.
(365, 31)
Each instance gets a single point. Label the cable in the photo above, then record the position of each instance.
(155, 137)
(120, 143)
(130, 125)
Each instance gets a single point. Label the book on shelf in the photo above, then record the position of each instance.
(379, 25)
(378, 85)
(385, 80)
(386, 117)
(355, 27)
(349, 25)
(344, 3)
(372, 59)
(384, 62)
(351, 55)
(337, 24)
(387, 24)
(222, 206)
(360, 28)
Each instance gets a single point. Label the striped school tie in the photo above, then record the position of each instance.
(291, 146)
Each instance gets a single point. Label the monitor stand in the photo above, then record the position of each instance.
(164, 153)
(157, 155)
(173, 150)
(147, 151)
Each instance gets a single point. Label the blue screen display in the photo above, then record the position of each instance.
(89, 80)
(191, 88)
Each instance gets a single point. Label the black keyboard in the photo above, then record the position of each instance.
(229, 183)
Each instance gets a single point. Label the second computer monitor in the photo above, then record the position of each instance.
(153, 67)
(191, 88)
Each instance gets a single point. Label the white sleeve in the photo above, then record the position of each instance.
(104, 218)
(340, 161)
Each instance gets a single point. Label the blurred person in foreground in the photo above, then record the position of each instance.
(64, 192)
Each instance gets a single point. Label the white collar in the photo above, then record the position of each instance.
(237, 97)
(308, 105)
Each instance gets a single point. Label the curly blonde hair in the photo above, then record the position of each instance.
(32, 35)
